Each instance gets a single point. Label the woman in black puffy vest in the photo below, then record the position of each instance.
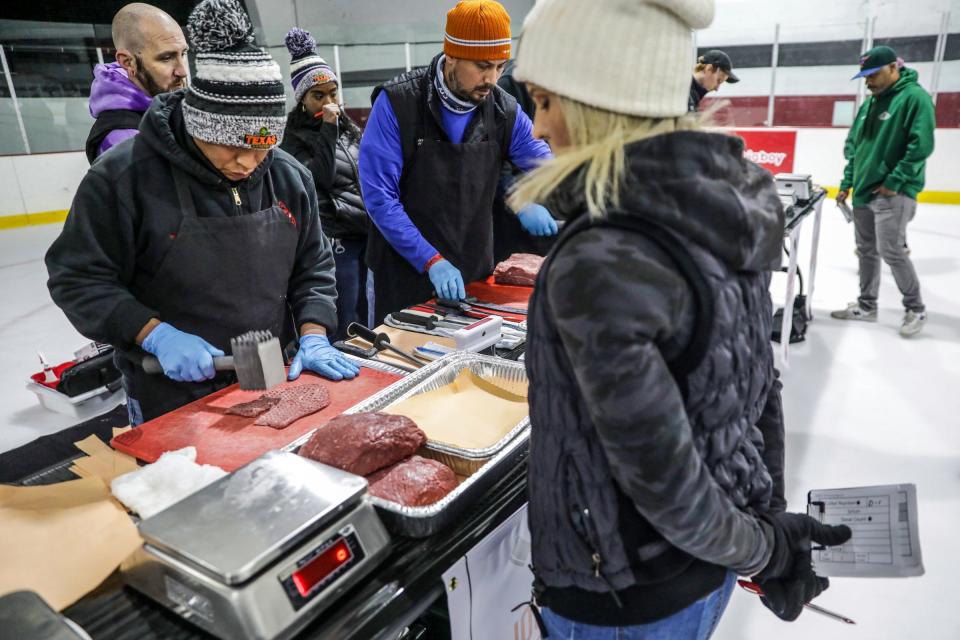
(322, 136)
(656, 447)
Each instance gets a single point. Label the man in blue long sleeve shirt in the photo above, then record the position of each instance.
(430, 161)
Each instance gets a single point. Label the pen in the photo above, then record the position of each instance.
(754, 588)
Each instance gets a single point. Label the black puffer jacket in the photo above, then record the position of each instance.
(330, 152)
(634, 487)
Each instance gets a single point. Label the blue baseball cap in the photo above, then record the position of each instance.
(874, 60)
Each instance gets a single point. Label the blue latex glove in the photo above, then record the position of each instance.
(316, 354)
(183, 356)
(537, 221)
(447, 281)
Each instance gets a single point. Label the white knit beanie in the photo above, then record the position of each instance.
(627, 56)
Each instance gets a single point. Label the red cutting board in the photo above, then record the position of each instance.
(504, 294)
(230, 442)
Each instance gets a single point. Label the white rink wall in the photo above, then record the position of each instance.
(820, 153)
(46, 182)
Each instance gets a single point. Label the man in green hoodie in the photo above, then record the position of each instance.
(886, 152)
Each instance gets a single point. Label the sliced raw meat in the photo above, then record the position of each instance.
(519, 269)
(361, 443)
(253, 408)
(415, 482)
(293, 402)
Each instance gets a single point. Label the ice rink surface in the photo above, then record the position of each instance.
(863, 406)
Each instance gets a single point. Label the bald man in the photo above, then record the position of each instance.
(151, 59)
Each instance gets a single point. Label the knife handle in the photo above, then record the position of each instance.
(428, 322)
(457, 305)
(357, 330)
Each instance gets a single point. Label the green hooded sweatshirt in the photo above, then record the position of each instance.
(890, 141)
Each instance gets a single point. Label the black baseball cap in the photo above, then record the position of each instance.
(720, 60)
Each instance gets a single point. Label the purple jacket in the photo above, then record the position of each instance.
(112, 89)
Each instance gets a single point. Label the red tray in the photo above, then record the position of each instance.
(230, 442)
(505, 294)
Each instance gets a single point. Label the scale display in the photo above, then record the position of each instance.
(322, 566)
(315, 571)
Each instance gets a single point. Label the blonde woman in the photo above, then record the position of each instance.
(656, 466)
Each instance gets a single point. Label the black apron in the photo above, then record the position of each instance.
(448, 190)
(222, 277)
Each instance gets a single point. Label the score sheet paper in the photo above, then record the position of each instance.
(885, 542)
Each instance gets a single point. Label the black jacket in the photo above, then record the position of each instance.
(330, 153)
(636, 487)
(697, 92)
(517, 89)
(125, 214)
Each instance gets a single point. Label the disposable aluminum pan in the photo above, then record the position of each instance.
(509, 376)
(420, 522)
(484, 467)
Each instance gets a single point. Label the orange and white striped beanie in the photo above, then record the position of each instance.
(478, 30)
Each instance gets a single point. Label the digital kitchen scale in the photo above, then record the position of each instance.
(262, 551)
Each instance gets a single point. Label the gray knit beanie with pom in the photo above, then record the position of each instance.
(236, 97)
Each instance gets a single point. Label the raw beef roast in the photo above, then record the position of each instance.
(285, 405)
(519, 269)
(415, 482)
(364, 442)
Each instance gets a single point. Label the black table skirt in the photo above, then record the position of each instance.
(46, 451)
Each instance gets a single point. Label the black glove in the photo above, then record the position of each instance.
(788, 581)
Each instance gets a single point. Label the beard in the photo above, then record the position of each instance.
(462, 93)
(150, 84)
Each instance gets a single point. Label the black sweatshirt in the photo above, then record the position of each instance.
(120, 223)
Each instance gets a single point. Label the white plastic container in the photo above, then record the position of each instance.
(84, 406)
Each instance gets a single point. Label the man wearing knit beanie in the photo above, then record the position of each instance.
(430, 162)
(197, 230)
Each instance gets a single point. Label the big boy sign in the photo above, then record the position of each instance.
(772, 149)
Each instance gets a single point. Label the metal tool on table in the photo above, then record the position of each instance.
(369, 354)
(457, 315)
(381, 341)
(427, 321)
(472, 304)
(263, 551)
(256, 359)
(475, 337)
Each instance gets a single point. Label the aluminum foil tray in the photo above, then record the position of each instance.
(509, 376)
(375, 364)
(420, 522)
(482, 466)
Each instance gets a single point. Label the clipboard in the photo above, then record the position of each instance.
(886, 540)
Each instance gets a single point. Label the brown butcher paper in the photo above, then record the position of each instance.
(468, 413)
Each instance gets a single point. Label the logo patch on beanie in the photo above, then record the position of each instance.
(263, 139)
(322, 78)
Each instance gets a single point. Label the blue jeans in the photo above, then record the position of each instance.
(351, 284)
(134, 413)
(696, 622)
